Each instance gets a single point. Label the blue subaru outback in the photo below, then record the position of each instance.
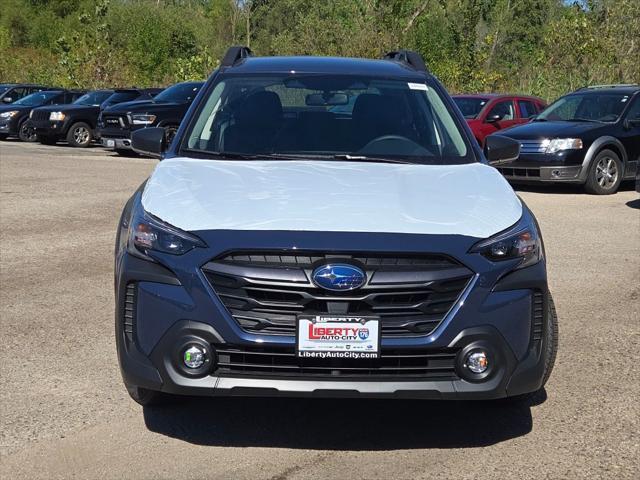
(329, 227)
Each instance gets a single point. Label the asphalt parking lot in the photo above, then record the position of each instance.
(65, 413)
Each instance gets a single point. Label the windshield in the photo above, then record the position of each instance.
(333, 116)
(470, 106)
(38, 98)
(180, 93)
(93, 98)
(593, 107)
(125, 96)
(3, 88)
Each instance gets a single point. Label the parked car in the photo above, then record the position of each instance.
(76, 122)
(11, 92)
(488, 113)
(164, 110)
(281, 248)
(589, 137)
(14, 118)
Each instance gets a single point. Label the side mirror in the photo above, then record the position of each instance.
(7, 99)
(149, 141)
(500, 150)
(494, 118)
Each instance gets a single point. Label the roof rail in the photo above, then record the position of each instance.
(611, 85)
(235, 53)
(408, 57)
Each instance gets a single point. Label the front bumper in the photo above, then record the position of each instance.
(8, 127)
(116, 143)
(563, 167)
(51, 129)
(159, 372)
(171, 306)
(561, 173)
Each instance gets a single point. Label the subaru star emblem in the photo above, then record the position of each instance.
(338, 277)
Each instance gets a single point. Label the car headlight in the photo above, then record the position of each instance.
(556, 144)
(147, 233)
(8, 114)
(142, 119)
(523, 244)
(56, 116)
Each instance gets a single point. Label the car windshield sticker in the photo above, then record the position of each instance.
(418, 86)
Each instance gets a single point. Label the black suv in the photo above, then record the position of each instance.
(77, 122)
(589, 137)
(165, 110)
(14, 118)
(11, 92)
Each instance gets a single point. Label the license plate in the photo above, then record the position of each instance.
(326, 336)
(111, 143)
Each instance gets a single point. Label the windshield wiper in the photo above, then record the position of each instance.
(223, 155)
(365, 158)
(252, 156)
(290, 156)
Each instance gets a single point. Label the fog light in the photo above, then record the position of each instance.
(194, 357)
(477, 362)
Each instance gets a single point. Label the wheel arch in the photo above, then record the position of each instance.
(88, 121)
(602, 143)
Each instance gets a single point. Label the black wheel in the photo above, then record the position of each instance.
(550, 346)
(80, 135)
(26, 132)
(605, 173)
(169, 133)
(3, 136)
(148, 398)
(47, 140)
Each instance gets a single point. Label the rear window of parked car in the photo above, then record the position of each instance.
(470, 106)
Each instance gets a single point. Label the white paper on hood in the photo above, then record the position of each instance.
(332, 196)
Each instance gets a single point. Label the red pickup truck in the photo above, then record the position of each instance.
(488, 113)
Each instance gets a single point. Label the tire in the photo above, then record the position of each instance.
(149, 398)
(605, 173)
(3, 136)
(169, 133)
(46, 140)
(26, 132)
(550, 351)
(550, 340)
(79, 135)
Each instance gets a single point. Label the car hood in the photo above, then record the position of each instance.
(539, 130)
(192, 194)
(70, 108)
(11, 107)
